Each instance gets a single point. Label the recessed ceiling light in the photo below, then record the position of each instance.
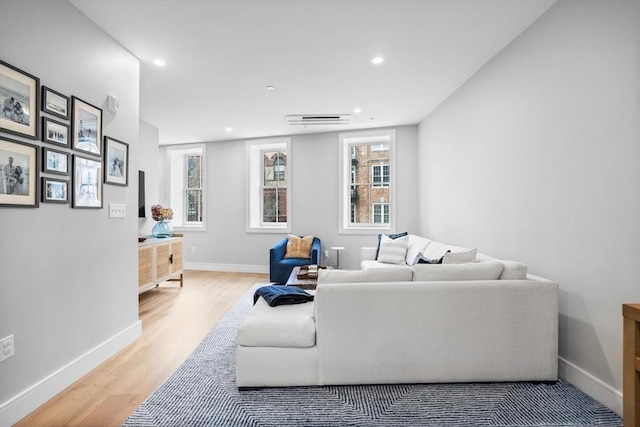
(271, 88)
(377, 60)
(357, 110)
(229, 129)
(159, 62)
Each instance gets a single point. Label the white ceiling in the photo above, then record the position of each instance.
(222, 54)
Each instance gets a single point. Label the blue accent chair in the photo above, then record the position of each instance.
(280, 268)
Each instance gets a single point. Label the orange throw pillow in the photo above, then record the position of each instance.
(299, 247)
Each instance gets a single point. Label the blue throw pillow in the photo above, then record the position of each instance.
(391, 236)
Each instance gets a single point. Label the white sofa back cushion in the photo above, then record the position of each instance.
(417, 245)
(393, 251)
(513, 270)
(380, 274)
(489, 270)
(436, 250)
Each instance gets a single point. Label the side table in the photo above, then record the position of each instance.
(631, 365)
(338, 249)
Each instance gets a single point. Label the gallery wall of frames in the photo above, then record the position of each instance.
(56, 151)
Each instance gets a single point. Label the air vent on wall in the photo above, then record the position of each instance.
(318, 119)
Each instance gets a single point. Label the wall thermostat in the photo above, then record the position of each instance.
(113, 104)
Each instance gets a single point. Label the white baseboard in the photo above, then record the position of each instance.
(229, 268)
(30, 399)
(590, 385)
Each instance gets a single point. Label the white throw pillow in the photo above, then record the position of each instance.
(393, 251)
(460, 257)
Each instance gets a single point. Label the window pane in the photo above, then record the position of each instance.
(274, 168)
(194, 179)
(194, 205)
(369, 187)
(274, 205)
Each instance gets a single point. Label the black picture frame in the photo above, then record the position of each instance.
(20, 102)
(54, 190)
(54, 161)
(116, 162)
(20, 174)
(86, 127)
(55, 103)
(55, 132)
(87, 183)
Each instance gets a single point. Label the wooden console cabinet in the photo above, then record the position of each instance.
(631, 365)
(159, 260)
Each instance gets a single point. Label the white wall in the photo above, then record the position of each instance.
(150, 164)
(68, 277)
(314, 179)
(537, 158)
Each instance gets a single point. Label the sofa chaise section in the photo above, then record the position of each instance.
(429, 332)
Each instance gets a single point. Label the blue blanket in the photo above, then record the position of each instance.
(282, 295)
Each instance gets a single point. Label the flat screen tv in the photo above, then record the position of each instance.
(141, 196)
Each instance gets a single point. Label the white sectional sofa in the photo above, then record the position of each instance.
(402, 323)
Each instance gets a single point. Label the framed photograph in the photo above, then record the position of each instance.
(19, 99)
(55, 103)
(87, 183)
(19, 164)
(86, 127)
(55, 132)
(55, 190)
(54, 161)
(116, 162)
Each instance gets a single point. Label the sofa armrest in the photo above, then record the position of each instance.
(368, 253)
(316, 253)
(277, 251)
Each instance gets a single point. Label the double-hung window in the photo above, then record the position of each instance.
(268, 193)
(367, 184)
(186, 164)
(380, 175)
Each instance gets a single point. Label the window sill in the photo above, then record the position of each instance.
(368, 229)
(184, 227)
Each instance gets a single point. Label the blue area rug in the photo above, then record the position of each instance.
(202, 392)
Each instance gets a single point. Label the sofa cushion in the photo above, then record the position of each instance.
(417, 245)
(489, 270)
(369, 263)
(513, 270)
(436, 250)
(461, 257)
(393, 251)
(299, 247)
(382, 274)
(281, 326)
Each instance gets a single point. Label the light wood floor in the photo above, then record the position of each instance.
(174, 321)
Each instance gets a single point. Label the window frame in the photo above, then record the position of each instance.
(177, 184)
(375, 138)
(255, 184)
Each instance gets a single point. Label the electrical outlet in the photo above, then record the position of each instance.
(6, 348)
(193, 249)
(326, 254)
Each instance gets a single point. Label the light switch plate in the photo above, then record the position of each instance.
(117, 210)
